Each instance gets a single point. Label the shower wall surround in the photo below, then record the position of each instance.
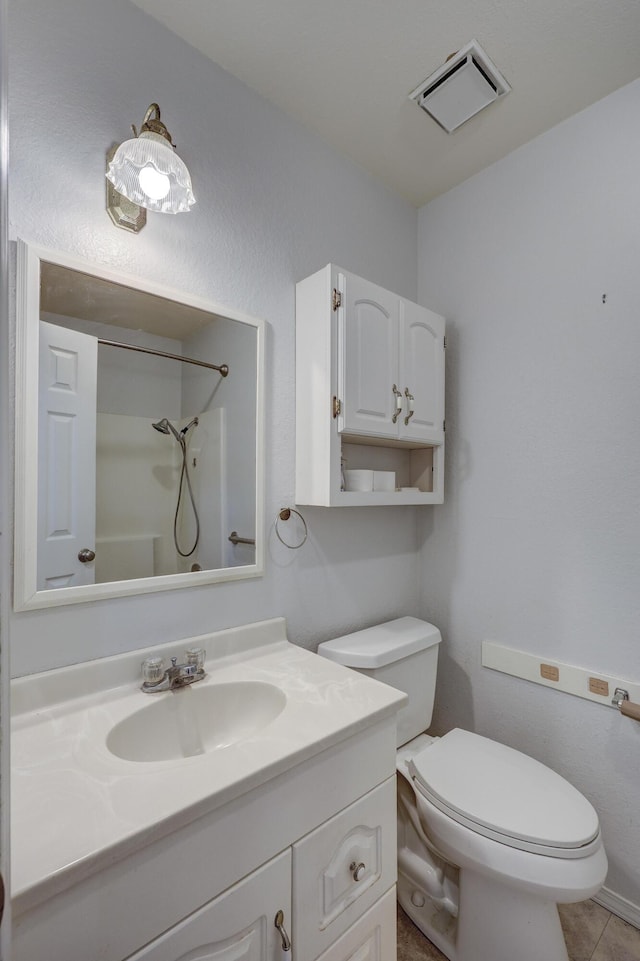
(137, 484)
(273, 204)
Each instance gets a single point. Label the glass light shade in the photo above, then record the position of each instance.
(148, 171)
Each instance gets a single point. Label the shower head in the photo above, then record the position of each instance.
(162, 426)
(165, 426)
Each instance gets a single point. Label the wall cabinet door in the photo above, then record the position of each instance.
(237, 926)
(368, 358)
(421, 374)
(390, 365)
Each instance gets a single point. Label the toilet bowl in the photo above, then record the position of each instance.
(489, 839)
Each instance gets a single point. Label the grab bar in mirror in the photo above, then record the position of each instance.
(235, 539)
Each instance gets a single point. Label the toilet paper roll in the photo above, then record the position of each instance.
(384, 480)
(358, 480)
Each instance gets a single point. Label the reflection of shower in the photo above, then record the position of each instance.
(165, 426)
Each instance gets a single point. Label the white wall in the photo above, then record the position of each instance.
(538, 544)
(274, 205)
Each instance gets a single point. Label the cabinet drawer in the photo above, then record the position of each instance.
(372, 937)
(342, 868)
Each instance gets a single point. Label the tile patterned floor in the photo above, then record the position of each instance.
(591, 933)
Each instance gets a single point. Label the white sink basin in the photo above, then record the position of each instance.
(195, 720)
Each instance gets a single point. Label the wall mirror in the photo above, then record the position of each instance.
(139, 435)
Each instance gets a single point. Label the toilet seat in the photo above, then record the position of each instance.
(505, 795)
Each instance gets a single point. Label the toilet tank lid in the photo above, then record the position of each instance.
(382, 644)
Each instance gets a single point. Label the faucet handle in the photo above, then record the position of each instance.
(152, 670)
(195, 657)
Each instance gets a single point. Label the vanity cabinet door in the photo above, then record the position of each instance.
(236, 926)
(341, 869)
(372, 937)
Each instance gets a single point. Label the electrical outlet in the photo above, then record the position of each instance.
(550, 672)
(596, 686)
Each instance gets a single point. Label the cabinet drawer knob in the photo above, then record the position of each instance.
(357, 870)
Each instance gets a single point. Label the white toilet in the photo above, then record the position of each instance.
(489, 840)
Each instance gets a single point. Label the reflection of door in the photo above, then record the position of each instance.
(67, 456)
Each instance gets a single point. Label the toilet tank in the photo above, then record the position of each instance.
(402, 653)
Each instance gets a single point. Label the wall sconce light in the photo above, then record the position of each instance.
(147, 173)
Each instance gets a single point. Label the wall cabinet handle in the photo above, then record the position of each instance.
(410, 406)
(357, 870)
(398, 401)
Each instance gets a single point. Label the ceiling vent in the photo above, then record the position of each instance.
(461, 87)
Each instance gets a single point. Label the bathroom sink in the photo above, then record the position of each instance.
(194, 720)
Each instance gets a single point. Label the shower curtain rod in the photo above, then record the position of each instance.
(223, 369)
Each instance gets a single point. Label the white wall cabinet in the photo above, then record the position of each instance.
(369, 392)
(391, 365)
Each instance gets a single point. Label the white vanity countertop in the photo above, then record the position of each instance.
(77, 808)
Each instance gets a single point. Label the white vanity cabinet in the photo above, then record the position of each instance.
(200, 894)
(369, 392)
(193, 857)
(324, 890)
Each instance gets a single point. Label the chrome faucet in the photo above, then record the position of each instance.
(156, 678)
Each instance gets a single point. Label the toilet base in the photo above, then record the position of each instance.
(496, 922)
(434, 921)
(499, 922)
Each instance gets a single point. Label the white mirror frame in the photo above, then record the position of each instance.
(26, 595)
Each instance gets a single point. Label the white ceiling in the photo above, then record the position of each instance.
(344, 68)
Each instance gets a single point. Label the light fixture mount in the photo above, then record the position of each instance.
(152, 124)
(123, 212)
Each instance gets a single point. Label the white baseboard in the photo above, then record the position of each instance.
(619, 906)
